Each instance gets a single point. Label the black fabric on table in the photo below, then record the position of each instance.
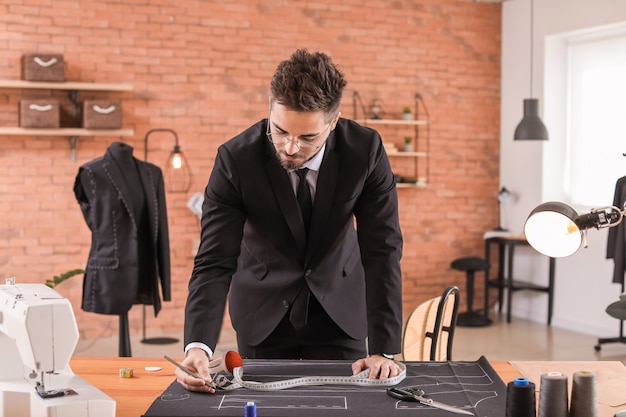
(474, 386)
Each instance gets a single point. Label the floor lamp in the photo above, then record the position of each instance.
(177, 179)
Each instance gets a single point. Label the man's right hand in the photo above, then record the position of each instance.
(197, 362)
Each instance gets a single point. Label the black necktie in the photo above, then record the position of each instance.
(304, 198)
(300, 307)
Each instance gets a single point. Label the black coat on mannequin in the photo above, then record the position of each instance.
(123, 202)
(616, 242)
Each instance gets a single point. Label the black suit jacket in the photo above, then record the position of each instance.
(616, 242)
(125, 265)
(253, 241)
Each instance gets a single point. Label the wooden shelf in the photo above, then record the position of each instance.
(72, 132)
(393, 122)
(64, 131)
(421, 148)
(73, 87)
(407, 154)
(65, 85)
(411, 184)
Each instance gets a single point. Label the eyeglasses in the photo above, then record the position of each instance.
(306, 143)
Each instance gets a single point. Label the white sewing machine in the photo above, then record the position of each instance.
(38, 334)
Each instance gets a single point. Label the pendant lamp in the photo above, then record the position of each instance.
(531, 127)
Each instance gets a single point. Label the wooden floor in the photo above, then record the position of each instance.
(518, 340)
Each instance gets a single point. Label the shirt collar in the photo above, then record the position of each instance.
(315, 163)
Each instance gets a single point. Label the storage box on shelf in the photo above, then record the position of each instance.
(43, 67)
(73, 88)
(102, 114)
(39, 113)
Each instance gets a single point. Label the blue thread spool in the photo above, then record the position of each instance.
(520, 398)
(250, 409)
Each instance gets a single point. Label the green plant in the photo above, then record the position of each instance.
(57, 279)
(408, 139)
(406, 109)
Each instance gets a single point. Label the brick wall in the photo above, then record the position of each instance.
(202, 68)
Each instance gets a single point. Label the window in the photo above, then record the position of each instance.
(596, 115)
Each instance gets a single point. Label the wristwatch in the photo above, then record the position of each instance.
(387, 355)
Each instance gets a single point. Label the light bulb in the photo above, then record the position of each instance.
(177, 161)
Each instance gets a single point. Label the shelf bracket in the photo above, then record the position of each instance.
(74, 100)
(73, 142)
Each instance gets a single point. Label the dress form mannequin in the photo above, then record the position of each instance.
(122, 200)
(122, 155)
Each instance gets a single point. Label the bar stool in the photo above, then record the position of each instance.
(470, 265)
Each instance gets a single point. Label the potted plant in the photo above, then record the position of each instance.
(408, 144)
(406, 113)
(57, 279)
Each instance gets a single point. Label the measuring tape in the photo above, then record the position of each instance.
(361, 379)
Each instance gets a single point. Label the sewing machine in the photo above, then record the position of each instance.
(38, 335)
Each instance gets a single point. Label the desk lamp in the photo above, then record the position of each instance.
(503, 196)
(556, 230)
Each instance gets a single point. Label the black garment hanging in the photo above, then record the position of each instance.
(616, 250)
(616, 244)
(123, 202)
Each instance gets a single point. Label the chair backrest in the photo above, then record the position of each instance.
(429, 331)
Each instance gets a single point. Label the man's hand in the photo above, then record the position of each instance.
(379, 366)
(197, 362)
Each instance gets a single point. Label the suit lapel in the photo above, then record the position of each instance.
(149, 189)
(279, 179)
(324, 194)
(117, 179)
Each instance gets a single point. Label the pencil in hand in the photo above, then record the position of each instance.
(188, 372)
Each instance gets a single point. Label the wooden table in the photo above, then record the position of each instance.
(135, 395)
(505, 280)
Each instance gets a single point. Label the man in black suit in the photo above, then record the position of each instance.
(304, 282)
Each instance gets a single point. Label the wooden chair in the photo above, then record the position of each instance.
(429, 331)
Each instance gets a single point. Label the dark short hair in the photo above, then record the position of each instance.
(308, 82)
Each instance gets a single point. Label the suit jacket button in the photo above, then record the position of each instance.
(286, 304)
(307, 273)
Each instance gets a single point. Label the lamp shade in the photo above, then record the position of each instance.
(177, 172)
(504, 195)
(531, 127)
(551, 229)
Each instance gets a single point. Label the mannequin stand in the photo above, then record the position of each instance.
(124, 343)
(155, 340)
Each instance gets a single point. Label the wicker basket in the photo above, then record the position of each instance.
(43, 67)
(102, 114)
(39, 113)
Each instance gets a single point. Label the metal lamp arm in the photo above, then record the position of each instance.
(149, 132)
(600, 218)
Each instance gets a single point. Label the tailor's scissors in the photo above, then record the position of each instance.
(417, 395)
